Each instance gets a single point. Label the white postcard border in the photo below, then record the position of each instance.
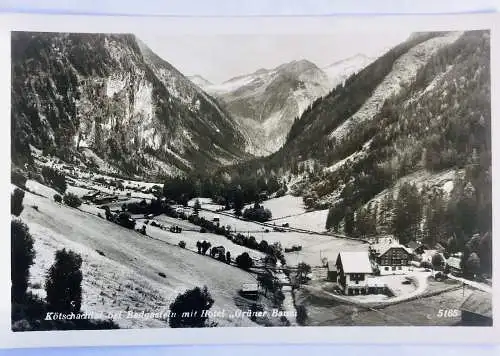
(240, 335)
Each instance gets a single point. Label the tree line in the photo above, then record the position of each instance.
(429, 215)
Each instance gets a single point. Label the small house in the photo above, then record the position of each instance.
(217, 251)
(393, 259)
(476, 310)
(250, 291)
(353, 268)
(105, 199)
(216, 218)
(454, 265)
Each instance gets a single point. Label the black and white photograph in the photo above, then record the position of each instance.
(163, 180)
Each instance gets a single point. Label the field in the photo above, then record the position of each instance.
(191, 237)
(314, 246)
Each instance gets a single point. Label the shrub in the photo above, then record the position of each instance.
(55, 179)
(267, 281)
(301, 315)
(22, 256)
(187, 309)
(263, 246)
(303, 269)
(16, 202)
(57, 198)
(473, 264)
(18, 179)
(64, 282)
(244, 261)
(257, 213)
(161, 274)
(72, 200)
(438, 261)
(280, 193)
(196, 207)
(182, 244)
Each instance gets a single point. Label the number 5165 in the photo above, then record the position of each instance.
(448, 313)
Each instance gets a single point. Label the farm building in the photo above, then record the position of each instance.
(352, 270)
(454, 265)
(393, 259)
(476, 310)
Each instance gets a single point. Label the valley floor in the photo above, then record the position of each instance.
(125, 271)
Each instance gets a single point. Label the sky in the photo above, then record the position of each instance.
(218, 58)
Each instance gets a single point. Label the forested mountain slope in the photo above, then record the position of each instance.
(427, 136)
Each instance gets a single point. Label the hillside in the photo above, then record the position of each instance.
(112, 96)
(266, 102)
(121, 267)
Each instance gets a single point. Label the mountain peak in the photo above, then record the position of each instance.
(298, 66)
(200, 81)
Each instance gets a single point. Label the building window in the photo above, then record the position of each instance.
(399, 268)
(386, 268)
(393, 268)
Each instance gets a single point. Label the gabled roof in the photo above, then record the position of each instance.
(355, 262)
(478, 302)
(453, 262)
(249, 287)
(386, 248)
(382, 248)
